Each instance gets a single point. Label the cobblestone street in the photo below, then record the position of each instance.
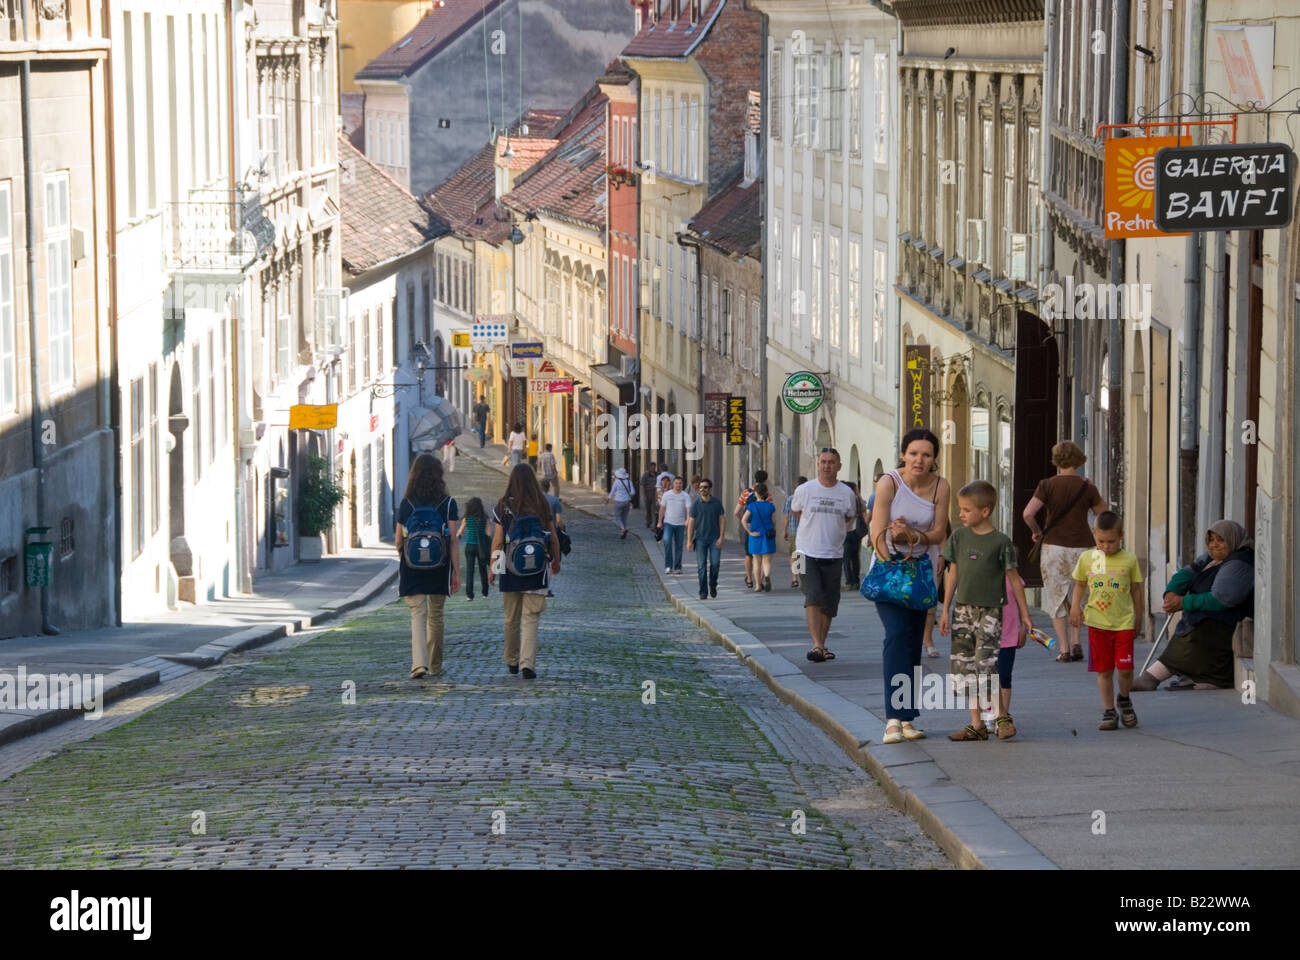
(478, 768)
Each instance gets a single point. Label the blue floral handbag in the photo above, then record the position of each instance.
(903, 581)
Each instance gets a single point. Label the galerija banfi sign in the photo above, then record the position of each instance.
(1230, 186)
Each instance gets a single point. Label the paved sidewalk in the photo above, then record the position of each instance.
(155, 649)
(1204, 781)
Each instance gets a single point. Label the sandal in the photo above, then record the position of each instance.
(970, 732)
(893, 732)
(932, 652)
(1076, 652)
(1063, 657)
(827, 654)
(817, 655)
(1127, 715)
(1006, 729)
(419, 673)
(749, 582)
(911, 733)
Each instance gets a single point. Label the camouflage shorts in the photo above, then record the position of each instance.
(976, 637)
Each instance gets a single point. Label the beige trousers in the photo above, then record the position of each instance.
(523, 611)
(426, 630)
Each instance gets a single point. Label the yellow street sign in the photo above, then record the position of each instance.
(460, 338)
(306, 416)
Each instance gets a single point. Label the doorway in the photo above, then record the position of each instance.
(1034, 426)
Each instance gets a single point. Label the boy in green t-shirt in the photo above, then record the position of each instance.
(1112, 579)
(978, 560)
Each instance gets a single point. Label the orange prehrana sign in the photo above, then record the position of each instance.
(1130, 186)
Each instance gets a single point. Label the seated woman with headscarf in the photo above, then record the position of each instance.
(1214, 594)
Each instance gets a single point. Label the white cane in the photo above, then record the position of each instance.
(1156, 646)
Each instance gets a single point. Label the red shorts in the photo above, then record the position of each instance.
(1109, 650)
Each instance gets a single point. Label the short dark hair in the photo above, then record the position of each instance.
(548, 446)
(920, 433)
(1108, 520)
(760, 476)
(801, 480)
(981, 493)
(704, 480)
(760, 490)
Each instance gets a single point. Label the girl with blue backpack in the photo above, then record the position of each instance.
(525, 552)
(429, 558)
(759, 524)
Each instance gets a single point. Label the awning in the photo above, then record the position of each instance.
(606, 380)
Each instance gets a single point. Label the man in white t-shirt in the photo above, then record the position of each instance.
(673, 509)
(823, 508)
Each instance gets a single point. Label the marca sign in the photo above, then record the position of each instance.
(1229, 186)
(1130, 183)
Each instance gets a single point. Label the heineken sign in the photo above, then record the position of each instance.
(803, 392)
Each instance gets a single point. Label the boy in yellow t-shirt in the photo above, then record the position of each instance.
(1112, 580)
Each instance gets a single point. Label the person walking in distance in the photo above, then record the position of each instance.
(481, 412)
(449, 456)
(791, 531)
(853, 543)
(526, 551)
(649, 483)
(824, 508)
(516, 442)
(909, 516)
(705, 527)
(620, 492)
(474, 533)
(760, 526)
(549, 469)
(673, 510)
(747, 496)
(428, 560)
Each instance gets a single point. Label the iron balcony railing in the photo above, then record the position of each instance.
(206, 234)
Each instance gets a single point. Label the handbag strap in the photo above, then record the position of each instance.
(1051, 520)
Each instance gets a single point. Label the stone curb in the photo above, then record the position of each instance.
(132, 678)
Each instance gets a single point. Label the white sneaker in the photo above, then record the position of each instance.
(668, 570)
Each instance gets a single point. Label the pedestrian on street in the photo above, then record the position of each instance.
(705, 527)
(760, 526)
(673, 511)
(824, 508)
(620, 492)
(911, 508)
(1066, 536)
(424, 578)
(549, 470)
(525, 537)
(648, 485)
(481, 413)
(853, 543)
(449, 456)
(975, 591)
(747, 496)
(1111, 579)
(791, 523)
(475, 535)
(516, 442)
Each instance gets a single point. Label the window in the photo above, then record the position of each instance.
(365, 346)
(1031, 201)
(777, 265)
(923, 172)
(1008, 192)
(283, 346)
(855, 298)
(67, 538)
(379, 341)
(695, 298)
(881, 62)
(833, 257)
(685, 295)
(196, 408)
(879, 305)
(855, 104)
(58, 279)
(814, 95)
(154, 449)
(656, 148)
(986, 162)
(833, 108)
(979, 437)
(773, 94)
(695, 138)
(668, 136)
(352, 355)
(670, 303)
(367, 481)
(659, 259)
(939, 189)
(796, 276)
(959, 235)
(713, 312)
(8, 334)
(724, 328)
(137, 466)
(815, 301)
(683, 141)
(798, 104)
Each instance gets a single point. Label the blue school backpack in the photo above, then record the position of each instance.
(526, 548)
(426, 543)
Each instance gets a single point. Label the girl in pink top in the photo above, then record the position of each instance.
(1011, 642)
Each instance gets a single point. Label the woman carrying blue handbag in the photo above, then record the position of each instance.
(908, 523)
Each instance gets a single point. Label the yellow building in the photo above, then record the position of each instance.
(369, 27)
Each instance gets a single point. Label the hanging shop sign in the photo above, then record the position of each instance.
(531, 350)
(519, 367)
(1130, 181)
(803, 392)
(488, 331)
(552, 385)
(715, 412)
(460, 339)
(1226, 186)
(546, 371)
(310, 416)
(916, 387)
(735, 421)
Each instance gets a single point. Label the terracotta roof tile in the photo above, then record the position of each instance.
(378, 219)
(673, 38)
(441, 25)
(466, 199)
(570, 181)
(731, 219)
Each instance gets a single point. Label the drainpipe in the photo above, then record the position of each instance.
(1190, 382)
(29, 218)
(1119, 111)
(114, 385)
(765, 86)
(243, 546)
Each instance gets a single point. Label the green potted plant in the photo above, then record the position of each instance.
(318, 496)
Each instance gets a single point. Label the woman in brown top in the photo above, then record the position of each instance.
(1068, 497)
